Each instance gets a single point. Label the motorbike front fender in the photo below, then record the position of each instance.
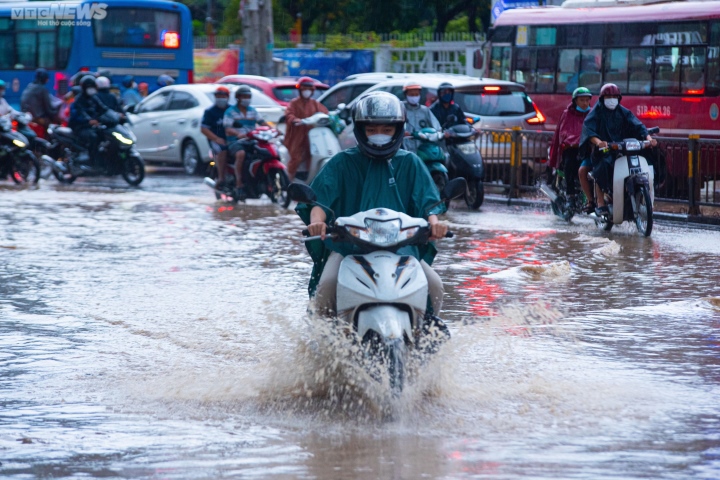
(436, 166)
(387, 320)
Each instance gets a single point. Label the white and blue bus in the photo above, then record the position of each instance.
(143, 38)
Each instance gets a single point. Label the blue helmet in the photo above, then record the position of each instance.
(164, 80)
(127, 81)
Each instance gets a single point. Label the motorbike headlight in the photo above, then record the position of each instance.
(632, 145)
(467, 148)
(122, 138)
(18, 143)
(382, 233)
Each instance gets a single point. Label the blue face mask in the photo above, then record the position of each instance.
(447, 98)
(587, 109)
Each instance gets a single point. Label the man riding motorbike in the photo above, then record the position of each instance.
(5, 109)
(375, 174)
(239, 120)
(37, 100)
(130, 94)
(85, 113)
(296, 136)
(418, 116)
(444, 107)
(213, 127)
(106, 96)
(564, 147)
(608, 122)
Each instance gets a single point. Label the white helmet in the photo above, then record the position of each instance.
(102, 83)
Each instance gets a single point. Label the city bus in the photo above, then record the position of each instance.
(143, 38)
(664, 57)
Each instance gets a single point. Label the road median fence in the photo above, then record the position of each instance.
(515, 160)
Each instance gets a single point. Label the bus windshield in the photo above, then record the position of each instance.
(136, 27)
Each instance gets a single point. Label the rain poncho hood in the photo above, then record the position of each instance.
(352, 183)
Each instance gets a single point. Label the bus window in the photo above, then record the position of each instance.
(543, 35)
(500, 63)
(137, 27)
(580, 35)
(713, 67)
(640, 70)
(546, 66)
(64, 45)
(667, 70)
(7, 40)
(692, 80)
(680, 34)
(502, 34)
(616, 67)
(568, 67)
(629, 34)
(525, 68)
(579, 68)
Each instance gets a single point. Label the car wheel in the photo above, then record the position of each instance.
(191, 159)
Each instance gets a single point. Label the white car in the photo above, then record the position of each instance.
(167, 123)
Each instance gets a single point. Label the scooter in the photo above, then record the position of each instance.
(323, 143)
(116, 152)
(263, 173)
(633, 194)
(16, 159)
(382, 295)
(433, 155)
(466, 162)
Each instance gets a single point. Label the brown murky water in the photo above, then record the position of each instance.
(154, 333)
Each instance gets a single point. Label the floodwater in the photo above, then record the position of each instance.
(154, 333)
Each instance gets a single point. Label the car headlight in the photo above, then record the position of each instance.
(122, 138)
(632, 145)
(18, 143)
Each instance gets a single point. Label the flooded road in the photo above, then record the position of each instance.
(154, 333)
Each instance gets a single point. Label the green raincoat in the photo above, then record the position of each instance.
(352, 183)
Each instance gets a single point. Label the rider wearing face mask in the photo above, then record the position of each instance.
(296, 136)
(213, 128)
(375, 174)
(418, 116)
(239, 120)
(85, 113)
(445, 106)
(564, 149)
(608, 122)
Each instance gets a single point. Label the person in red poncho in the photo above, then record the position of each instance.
(565, 145)
(296, 136)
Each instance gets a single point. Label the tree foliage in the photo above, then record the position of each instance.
(352, 16)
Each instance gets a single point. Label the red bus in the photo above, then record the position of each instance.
(664, 57)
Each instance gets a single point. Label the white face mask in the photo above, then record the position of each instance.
(306, 93)
(380, 139)
(244, 102)
(611, 103)
(413, 100)
(221, 102)
(91, 91)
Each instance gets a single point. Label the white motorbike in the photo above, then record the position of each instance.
(323, 143)
(381, 294)
(633, 193)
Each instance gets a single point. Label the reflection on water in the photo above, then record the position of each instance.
(154, 333)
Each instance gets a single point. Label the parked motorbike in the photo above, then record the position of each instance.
(22, 123)
(433, 155)
(16, 159)
(263, 173)
(633, 194)
(381, 294)
(116, 153)
(466, 162)
(323, 143)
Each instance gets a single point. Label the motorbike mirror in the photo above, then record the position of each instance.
(454, 188)
(301, 193)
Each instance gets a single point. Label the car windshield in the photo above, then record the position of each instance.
(285, 94)
(502, 104)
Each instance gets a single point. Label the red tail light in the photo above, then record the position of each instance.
(492, 89)
(84, 69)
(538, 119)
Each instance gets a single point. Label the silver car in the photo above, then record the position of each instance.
(167, 123)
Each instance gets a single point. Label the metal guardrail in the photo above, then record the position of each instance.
(516, 159)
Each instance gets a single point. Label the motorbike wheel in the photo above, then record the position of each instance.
(643, 210)
(134, 171)
(605, 224)
(475, 194)
(396, 353)
(279, 181)
(214, 175)
(386, 359)
(26, 169)
(66, 178)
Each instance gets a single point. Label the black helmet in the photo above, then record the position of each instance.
(88, 81)
(446, 86)
(41, 75)
(379, 108)
(127, 81)
(243, 90)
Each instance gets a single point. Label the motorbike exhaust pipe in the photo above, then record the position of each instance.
(210, 182)
(548, 191)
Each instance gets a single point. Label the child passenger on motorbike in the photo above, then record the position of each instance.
(608, 122)
(239, 120)
(418, 116)
(375, 174)
(564, 149)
